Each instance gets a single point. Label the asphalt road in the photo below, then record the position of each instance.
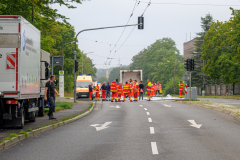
(137, 131)
(232, 102)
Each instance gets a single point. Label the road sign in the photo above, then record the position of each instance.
(186, 77)
(57, 60)
(61, 83)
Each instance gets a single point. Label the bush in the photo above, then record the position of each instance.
(63, 105)
(169, 89)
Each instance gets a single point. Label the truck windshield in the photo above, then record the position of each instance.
(83, 84)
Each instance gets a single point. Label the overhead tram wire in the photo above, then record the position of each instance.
(149, 3)
(123, 29)
(188, 4)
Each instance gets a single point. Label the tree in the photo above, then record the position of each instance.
(158, 61)
(102, 79)
(221, 50)
(198, 77)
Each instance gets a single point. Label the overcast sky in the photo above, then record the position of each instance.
(162, 19)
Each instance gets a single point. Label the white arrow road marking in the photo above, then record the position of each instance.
(112, 106)
(152, 130)
(167, 105)
(118, 107)
(194, 124)
(149, 119)
(145, 109)
(154, 148)
(148, 113)
(141, 105)
(104, 126)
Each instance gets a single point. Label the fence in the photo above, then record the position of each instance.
(222, 89)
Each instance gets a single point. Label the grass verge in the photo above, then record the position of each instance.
(222, 97)
(59, 106)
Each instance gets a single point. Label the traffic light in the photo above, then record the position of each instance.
(193, 64)
(190, 64)
(76, 65)
(186, 64)
(140, 22)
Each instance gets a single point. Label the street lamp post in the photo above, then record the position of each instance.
(63, 48)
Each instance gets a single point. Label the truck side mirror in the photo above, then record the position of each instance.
(47, 70)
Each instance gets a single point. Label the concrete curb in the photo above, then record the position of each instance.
(218, 109)
(21, 137)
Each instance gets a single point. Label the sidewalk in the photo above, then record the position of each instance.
(77, 108)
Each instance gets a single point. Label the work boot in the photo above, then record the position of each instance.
(52, 118)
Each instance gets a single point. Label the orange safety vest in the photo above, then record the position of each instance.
(97, 88)
(159, 87)
(113, 87)
(126, 88)
(180, 86)
(119, 88)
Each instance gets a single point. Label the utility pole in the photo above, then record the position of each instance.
(174, 78)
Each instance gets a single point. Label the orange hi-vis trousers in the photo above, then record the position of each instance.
(103, 95)
(119, 96)
(90, 96)
(136, 96)
(97, 96)
(129, 96)
(149, 94)
(114, 96)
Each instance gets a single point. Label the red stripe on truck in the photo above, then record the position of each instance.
(16, 69)
(10, 93)
(8, 16)
(19, 27)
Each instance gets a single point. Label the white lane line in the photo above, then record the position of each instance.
(154, 148)
(167, 105)
(141, 105)
(145, 109)
(152, 130)
(148, 113)
(149, 119)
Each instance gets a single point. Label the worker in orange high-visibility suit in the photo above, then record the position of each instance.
(120, 90)
(97, 92)
(180, 89)
(153, 89)
(90, 92)
(132, 90)
(113, 89)
(103, 92)
(149, 86)
(126, 91)
(136, 91)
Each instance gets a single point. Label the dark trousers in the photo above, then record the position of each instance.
(140, 95)
(51, 101)
(108, 95)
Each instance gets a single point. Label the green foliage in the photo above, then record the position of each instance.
(102, 79)
(221, 50)
(169, 89)
(24, 132)
(158, 62)
(198, 77)
(29, 130)
(12, 135)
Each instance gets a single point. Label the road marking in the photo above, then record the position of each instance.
(118, 107)
(167, 105)
(154, 148)
(145, 109)
(194, 124)
(152, 130)
(103, 126)
(141, 105)
(148, 113)
(149, 119)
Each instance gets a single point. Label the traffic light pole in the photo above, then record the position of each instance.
(75, 51)
(190, 91)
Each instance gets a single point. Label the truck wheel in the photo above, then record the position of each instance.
(22, 115)
(41, 109)
(32, 119)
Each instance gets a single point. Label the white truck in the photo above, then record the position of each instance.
(126, 75)
(21, 64)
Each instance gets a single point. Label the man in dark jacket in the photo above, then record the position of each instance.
(90, 92)
(141, 90)
(108, 91)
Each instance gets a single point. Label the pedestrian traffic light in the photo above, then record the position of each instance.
(140, 22)
(186, 64)
(76, 65)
